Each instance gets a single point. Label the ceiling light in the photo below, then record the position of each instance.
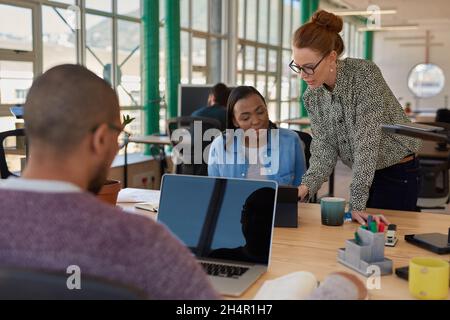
(363, 12)
(391, 28)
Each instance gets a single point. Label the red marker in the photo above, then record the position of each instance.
(381, 227)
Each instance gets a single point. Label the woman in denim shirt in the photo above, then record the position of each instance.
(253, 147)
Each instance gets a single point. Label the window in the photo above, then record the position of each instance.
(202, 39)
(59, 40)
(353, 39)
(129, 63)
(112, 42)
(101, 5)
(131, 8)
(16, 28)
(18, 52)
(15, 79)
(202, 42)
(290, 86)
(255, 47)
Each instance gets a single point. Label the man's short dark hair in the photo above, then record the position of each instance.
(220, 92)
(66, 103)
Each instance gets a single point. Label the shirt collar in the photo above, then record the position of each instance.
(46, 186)
(340, 78)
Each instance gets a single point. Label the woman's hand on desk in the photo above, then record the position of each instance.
(361, 217)
(303, 193)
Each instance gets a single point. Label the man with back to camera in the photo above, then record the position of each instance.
(50, 218)
(216, 108)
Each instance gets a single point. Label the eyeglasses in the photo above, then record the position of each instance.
(124, 136)
(307, 70)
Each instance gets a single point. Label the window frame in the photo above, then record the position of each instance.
(36, 56)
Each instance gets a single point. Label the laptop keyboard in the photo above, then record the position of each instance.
(225, 271)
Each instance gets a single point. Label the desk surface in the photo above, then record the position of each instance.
(313, 247)
(428, 150)
(151, 139)
(298, 121)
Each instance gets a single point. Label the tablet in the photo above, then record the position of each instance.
(421, 127)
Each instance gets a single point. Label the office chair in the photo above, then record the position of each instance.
(434, 184)
(31, 284)
(186, 124)
(306, 139)
(443, 115)
(5, 173)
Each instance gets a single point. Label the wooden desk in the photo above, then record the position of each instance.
(428, 150)
(151, 139)
(15, 151)
(298, 121)
(313, 247)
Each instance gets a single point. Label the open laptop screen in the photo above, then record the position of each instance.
(220, 218)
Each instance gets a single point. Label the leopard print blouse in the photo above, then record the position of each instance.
(346, 123)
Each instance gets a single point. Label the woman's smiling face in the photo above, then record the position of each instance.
(251, 113)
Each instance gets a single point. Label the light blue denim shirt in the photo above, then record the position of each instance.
(283, 159)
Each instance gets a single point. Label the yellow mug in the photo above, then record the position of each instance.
(429, 278)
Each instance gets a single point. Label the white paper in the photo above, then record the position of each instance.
(131, 195)
(293, 286)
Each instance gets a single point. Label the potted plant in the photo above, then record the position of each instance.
(110, 190)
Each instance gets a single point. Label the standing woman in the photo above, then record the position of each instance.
(348, 100)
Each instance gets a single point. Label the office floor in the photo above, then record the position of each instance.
(343, 178)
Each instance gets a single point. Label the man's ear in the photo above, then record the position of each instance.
(211, 99)
(100, 139)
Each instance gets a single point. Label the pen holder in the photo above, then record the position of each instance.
(368, 252)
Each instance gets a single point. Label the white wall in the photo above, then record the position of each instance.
(396, 62)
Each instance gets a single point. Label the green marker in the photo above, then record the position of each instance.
(357, 238)
(373, 227)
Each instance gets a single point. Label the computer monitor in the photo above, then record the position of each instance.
(193, 97)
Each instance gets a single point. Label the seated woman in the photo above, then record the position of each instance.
(252, 146)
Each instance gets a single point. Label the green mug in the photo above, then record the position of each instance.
(332, 211)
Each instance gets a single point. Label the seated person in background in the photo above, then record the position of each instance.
(253, 147)
(217, 100)
(50, 218)
(256, 220)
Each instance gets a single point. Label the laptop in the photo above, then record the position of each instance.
(226, 223)
(287, 207)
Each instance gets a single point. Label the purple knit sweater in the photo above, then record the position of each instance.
(53, 231)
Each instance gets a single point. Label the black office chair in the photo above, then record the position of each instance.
(434, 184)
(306, 138)
(443, 115)
(186, 124)
(5, 173)
(30, 284)
(441, 146)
